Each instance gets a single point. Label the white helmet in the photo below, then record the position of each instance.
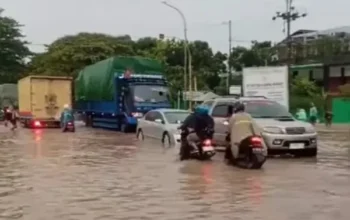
(66, 106)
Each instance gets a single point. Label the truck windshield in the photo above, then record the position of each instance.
(147, 93)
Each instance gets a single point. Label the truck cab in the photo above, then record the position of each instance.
(139, 94)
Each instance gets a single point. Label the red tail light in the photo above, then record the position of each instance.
(207, 142)
(256, 142)
(37, 124)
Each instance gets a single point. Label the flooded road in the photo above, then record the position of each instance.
(98, 175)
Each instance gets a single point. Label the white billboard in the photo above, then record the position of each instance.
(271, 82)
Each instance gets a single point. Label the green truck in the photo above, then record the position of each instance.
(114, 92)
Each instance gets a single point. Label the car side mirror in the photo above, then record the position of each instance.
(159, 121)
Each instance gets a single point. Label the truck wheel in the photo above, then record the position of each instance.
(88, 120)
(124, 128)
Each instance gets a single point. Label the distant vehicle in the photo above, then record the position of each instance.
(41, 100)
(8, 95)
(162, 124)
(282, 133)
(116, 92)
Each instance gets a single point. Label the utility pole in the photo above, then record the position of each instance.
(290, 15)
(229, 74)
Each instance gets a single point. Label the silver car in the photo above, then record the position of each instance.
(161, 124)
(282, 133)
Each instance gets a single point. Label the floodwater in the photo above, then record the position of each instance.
(96, 175)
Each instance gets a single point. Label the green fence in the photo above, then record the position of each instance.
(341, 110)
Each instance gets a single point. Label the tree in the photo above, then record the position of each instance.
(259, 54)
(13, 49)
(69, 54)
(304, 92)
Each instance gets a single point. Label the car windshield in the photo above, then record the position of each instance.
(176, 117)
(266, 109)
(146, 93)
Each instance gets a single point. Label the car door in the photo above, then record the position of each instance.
(147, 124)
(220, 115)
(158, 126)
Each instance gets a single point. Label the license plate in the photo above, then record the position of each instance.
(208, 148)
(257, 150)
(297, 146)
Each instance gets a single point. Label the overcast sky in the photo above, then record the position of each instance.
(46, 20)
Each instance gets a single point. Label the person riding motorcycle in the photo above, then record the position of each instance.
(241, 126)
(66, 115)
(197, 126)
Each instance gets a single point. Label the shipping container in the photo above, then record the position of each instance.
(41, 100)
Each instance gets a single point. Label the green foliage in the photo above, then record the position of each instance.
(67, 55)
(13, 50)
(303, 93)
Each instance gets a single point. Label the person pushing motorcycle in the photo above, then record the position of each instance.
(241, 126)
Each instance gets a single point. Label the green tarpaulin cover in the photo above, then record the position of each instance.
(95, 82)
(8, 95)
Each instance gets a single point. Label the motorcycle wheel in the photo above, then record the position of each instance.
(253, 162)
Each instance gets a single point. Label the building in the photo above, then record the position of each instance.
(321, 56)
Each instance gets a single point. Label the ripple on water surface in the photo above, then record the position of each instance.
(95, 174)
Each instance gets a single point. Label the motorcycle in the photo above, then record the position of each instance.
(205, 148)
(251, 154)
(69, 126)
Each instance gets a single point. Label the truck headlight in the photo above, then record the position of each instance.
(273, 130)
(137, 114)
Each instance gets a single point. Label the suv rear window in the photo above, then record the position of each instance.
(220, 110)
(266, 109)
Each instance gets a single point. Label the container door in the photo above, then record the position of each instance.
(49, 96)
(60, 94)
(39, 88)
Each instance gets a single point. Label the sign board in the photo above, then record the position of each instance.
(271, 82)
(235, 90)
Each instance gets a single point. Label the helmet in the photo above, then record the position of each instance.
(202, 109)
(66, 106)
(239, 107)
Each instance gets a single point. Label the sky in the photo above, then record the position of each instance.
(46, 20)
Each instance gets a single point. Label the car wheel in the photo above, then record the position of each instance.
(166, 140)
(140, 135)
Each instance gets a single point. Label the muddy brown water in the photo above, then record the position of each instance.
(97, 175)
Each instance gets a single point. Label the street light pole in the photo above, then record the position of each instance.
(187, 52)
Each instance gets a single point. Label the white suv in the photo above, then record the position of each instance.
(282, 133)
